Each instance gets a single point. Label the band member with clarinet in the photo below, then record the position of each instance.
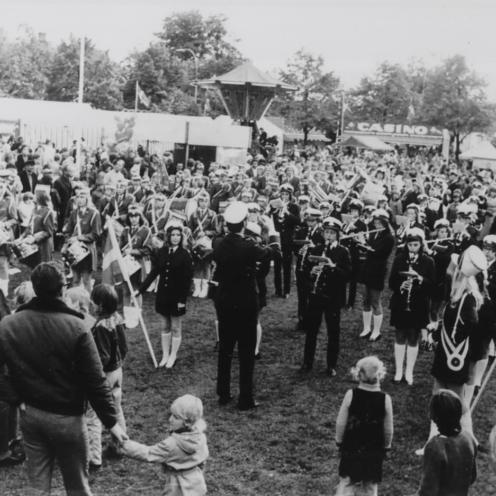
(378, 246)
(307, 236)
(135, 245)
(173, 265)
(355, 226)
(327, 295)
(237, 306)
(286, 216)
(83, 228)
(411, 280)
(203, 229)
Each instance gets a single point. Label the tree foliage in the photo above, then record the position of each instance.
(102, 76)
(315, 102)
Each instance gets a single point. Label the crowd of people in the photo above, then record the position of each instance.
(334, 221)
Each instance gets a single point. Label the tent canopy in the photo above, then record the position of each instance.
(484, 151)
(368, 142)
(246, 73)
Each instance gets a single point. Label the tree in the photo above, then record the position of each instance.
(454, 99)
(385, 97)
(315, 103)
(25, 65)
(102, 77)
(206, 36)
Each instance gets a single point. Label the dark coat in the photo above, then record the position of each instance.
(236, 259)
(63, 191)
(53, 361)
(26, 187)
(175, 272)
(420, 295)
(286, 224)
(42, 228)
(331, 284)
(375, 265)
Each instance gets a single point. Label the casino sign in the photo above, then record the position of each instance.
(398, 134)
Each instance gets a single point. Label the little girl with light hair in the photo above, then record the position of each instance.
(182, 453)
(364, 430)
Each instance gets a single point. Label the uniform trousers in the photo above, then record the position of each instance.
(8, 427)
(303, 293)
(283, 264)
(318, 307)
(50, 437)
(236, 326)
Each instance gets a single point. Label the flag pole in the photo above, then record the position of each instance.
(136, 97)
(120, 261)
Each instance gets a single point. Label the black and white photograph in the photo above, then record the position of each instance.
(247, 248)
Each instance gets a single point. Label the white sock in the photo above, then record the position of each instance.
(259, 338)
(166, 341)
(468, 394)
(377, 325)
(204, 288)
(367, 322)
(197, 287)
(176, 342)
(479, 369)
(411, 358)
(492, 349)
(216, 331)
(399, 359)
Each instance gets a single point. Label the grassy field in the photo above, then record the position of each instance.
(285, 447)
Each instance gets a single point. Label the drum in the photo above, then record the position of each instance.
(25, 250)
(75, 252)
(132, 265)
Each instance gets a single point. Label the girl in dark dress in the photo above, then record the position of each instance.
(173, 264)
(364, 430)
(410, 301)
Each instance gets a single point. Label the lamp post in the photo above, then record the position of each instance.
(195, 58)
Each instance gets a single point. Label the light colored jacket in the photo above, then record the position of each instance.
(182, 455)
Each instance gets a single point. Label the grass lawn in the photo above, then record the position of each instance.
(285, 447)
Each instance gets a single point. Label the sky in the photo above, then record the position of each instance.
(353, 36)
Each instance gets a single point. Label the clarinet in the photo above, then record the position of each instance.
(320, 268)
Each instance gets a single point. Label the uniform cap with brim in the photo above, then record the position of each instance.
(380, 213)
(441, 223)
(471, 262)
(332, 223)
(253, 207)
(313, 213)
(304, 199)
(413, 206)
(236, 212)
(489, 241)
(286, 188)
(356, 205)
(253, 228)
(415, 234)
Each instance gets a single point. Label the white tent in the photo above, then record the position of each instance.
(483, 156)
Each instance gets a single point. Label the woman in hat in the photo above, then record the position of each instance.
(203, 228)
(411, 280)
(173, 265)
(378, 247)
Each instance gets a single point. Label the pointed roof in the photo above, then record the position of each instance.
(247, 73)
(483, 150)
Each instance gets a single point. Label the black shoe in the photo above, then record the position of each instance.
(373, 340)
(216, 347)
(249, 406)
(12, 459)
(224, 400)
(258, 356)
(397, 381)
(278, 294)
(331, 372)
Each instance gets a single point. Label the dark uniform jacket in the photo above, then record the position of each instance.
(53, 361)
(63, 192)
(375, 265)
(331, 283)
(175, 272)
(419, 299)
(285, 225)
(26, 186)
(236, 259)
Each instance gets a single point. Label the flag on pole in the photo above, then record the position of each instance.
(141, 96)
(113, 268)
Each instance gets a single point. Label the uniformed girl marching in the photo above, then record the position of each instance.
(411, 280)
(173, 265)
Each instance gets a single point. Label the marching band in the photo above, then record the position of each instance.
(330, 223)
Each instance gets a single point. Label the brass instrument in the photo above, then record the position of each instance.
(411, 277)
(322, 262)
(354, 235)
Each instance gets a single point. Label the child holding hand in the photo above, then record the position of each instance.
(182, 453)
(364, 430)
